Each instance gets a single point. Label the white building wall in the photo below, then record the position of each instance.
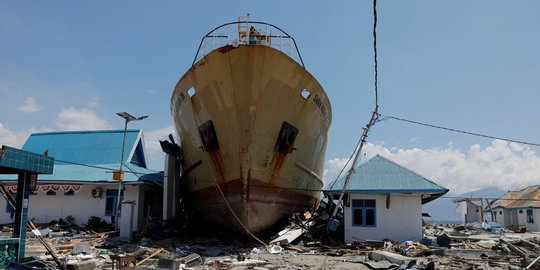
(522, 217)
(82, 205)
(401, 221)
(536, 217)
(503, 216)
(474, 213)
(470, 212)
(535, 226)
(512, 219)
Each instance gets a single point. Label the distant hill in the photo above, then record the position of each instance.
(444, 210)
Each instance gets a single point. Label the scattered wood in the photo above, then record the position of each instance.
(151, 255)
(296, 248)
(514, 248)
(531, 244)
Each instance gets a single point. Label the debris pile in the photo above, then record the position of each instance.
(302, 245)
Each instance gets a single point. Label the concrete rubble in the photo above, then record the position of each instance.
(300, 246)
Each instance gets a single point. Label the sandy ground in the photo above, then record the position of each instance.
(293, 260)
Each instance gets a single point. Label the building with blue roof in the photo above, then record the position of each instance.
(82, 183)
(384, 201)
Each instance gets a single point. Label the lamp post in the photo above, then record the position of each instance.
(120, 174)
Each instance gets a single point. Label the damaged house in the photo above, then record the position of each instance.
(519, 210)
(384, 201)
(82, 182)
(470, 209)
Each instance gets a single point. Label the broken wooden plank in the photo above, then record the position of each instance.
(533, 263)
(531, 244)
(151, 255)
(514, 248)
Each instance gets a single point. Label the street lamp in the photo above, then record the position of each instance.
(120, 174)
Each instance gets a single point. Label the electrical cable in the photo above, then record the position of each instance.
(345, 166)
(375, 53)
(458, 130)
(374, 116)
(84, 165)
(137, 174)
(404, 195)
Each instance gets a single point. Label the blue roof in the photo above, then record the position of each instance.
(379, 175)
(87, 147)
(92, 156)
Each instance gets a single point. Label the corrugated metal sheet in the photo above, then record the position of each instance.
(505, 200)
(525, 198)
(380, 175)
(91, 156)
(84, 147)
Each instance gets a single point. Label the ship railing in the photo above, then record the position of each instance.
(248, 33)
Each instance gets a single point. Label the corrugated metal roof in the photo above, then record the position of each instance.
(380, 175)
(505, 200)
(92, 156)
(85, 147)
(525, 198)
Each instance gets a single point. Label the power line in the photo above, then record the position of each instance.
(457, 130)
(490, 198)
(397, 195)
(138, 175)
(84, 165)
(375, 52)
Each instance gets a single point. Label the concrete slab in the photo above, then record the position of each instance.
(287, 237)
(379, 255)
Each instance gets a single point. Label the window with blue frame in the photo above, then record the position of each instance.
(530, 218)
(110, 201)
(10, 209)
(364, 213)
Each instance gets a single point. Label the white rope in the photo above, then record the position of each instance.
(235, 216)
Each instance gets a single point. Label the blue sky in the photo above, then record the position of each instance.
(471, 65)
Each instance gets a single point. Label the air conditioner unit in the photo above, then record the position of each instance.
(97, 192)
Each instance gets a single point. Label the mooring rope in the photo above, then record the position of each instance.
(235, 216)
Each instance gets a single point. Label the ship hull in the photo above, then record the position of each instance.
(253, 126)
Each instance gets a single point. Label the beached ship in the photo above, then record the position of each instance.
(253, 126)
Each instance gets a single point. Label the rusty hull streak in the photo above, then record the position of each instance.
(277, 165)
(218, 166)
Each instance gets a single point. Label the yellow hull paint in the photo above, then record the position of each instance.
(248, 92)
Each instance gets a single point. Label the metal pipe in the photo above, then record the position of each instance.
(128, 118)
(120, 181)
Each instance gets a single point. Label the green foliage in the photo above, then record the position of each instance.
(70, 219)
(96, 223)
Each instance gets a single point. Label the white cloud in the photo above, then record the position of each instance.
(151, 139)
(30, 106)
(150, 91)
(12, 138)
(508, 166)
(333, 167)
(80, 119)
